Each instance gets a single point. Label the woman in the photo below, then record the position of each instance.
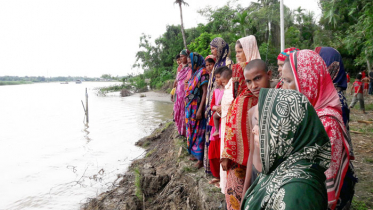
(179, 105)
(235, 147)
(281, 60)
(335, 67)
(220, 50)
(294, 150)
(305, 71)
(195, 97)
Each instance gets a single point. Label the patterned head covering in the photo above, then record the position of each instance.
(313, 80)
(295, 152)
(212, 57)
(250, 48)
(223, 51)
(288, 125)
(284, 54)
(197, 60)
(185, 52)
(334, 63)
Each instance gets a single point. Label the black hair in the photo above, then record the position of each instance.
(210, 60)
(177, 56)
(359, 76)
(226, 74)
(257, 63)
(220, 70)
(239, 44)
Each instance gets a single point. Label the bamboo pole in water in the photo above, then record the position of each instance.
(86, 105)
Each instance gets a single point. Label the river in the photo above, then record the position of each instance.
(50, 159)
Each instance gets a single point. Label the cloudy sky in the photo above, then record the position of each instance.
(89, 37)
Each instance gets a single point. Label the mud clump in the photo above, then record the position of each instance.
(164, 179)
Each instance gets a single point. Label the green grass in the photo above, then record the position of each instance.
(138, 191)
(358, 205)
(150, 153)
(368, 160)
(188, 169)
(14, 82)
(364, 130)
(368, 107)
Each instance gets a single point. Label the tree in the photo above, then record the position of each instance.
(181, 18)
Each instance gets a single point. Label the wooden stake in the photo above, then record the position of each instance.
(86, 105)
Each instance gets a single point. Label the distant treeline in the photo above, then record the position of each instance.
(44, 79)
(345, 25)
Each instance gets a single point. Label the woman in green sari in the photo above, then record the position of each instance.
(294, 150)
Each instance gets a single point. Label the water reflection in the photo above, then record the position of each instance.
(51, 159)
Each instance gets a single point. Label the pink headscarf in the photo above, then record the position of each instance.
(250, 48)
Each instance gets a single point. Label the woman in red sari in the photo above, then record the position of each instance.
(306, 72)
(236, 142)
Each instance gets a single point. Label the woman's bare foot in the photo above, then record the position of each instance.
(216, 133)
(217, 184)
(199, 164)
(193, 158)
(214, 180)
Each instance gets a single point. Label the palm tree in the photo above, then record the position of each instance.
(241, 20)
(181, 17)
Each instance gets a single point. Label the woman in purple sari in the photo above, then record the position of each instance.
(179, 105)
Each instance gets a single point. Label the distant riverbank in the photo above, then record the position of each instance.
(15, 82)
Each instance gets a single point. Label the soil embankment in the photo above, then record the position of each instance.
(163, 179)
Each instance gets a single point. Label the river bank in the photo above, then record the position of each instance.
(163, 179)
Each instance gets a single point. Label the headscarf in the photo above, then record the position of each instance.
(294, 150)
(334, 63)
(197, 60)
(250, 48)
(212, 57)
(185, 52)
(223, 51)
(335, 67)
(284, 54)
(282, 57)
(313, 80)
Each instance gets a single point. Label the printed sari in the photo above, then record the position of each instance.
(222, 59)
(237, 132)
(295, 152)
(195, 129)
(313, 80)
(179, 105)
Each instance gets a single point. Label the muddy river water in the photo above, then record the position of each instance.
(50, 159)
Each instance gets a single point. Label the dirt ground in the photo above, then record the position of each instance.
(361, 130)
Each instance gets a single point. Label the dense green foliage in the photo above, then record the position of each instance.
(346, 25)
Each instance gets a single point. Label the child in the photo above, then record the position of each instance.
(357, 86)
(222, 76)
(225, 76)
(210, 62)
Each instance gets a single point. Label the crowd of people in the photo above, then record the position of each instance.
(268, 143)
